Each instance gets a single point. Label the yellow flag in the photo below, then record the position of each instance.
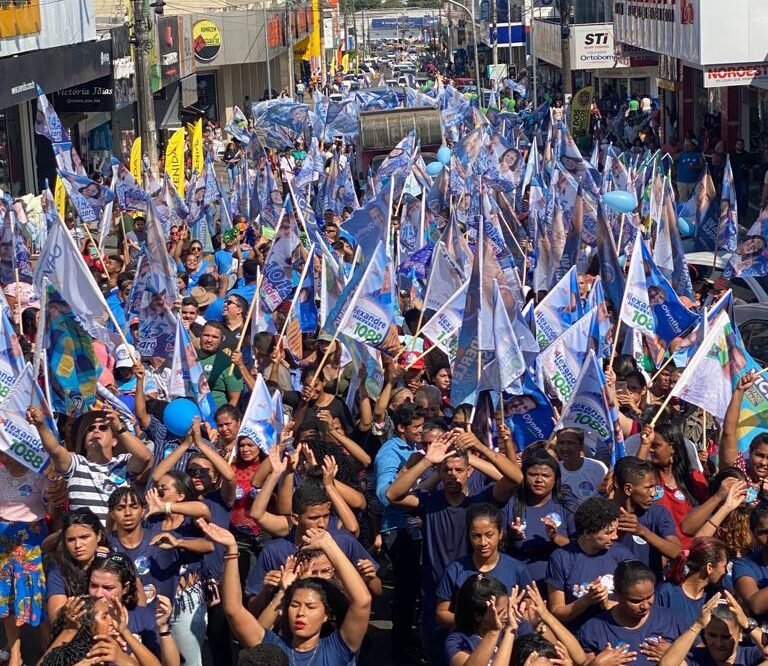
(580, 107)
(198, 156)
(136, 160)
(174, 160)
(60, 197)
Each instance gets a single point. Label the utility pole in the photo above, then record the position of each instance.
(565, 43)
(289, 45)
(142, 30)
(266, 50)
(495, 42)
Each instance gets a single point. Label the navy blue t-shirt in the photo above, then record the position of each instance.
(536, 549)
(746, 655)
(571, 570)
(752, 566)
(54, 581)
(155, 566)
(276, 552)
(656, 519)
(456, 641)
(143, 624)
(213, 563)
(330, 651)
(598, 631)
(445, 533)
(687, 610)
(507, 571)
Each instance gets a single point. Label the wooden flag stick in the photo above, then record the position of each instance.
(239, 346)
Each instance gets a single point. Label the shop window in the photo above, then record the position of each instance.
(11, 165)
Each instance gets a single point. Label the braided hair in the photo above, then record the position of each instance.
(75, 650)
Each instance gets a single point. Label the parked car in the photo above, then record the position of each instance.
(747, 289)
(752, 322)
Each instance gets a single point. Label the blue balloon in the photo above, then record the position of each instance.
(686, 228)
(178, 415)
(434, 168)
(620, 201)
(444, 155)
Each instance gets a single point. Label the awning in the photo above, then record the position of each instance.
(52, 69)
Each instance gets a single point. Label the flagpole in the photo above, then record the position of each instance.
(621, 231)
(704, 429)
(104, 270)
(247, 319)
(661, 369)
(18, 297)
(295, 298)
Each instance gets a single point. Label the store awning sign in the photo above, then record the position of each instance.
(206, 39)
(724, 76)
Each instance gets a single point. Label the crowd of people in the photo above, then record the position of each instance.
(368, 485)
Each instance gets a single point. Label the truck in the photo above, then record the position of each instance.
(382, 130)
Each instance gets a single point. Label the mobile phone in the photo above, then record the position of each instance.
(621, 385)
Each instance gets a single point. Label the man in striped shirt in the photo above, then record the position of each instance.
(92, 477)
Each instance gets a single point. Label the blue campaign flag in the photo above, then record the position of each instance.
(728, 228)
(283, 121)
(671, 318)
(237, 128)
(368, 224)
(528, 413)
(88, 196)
(704, 208)
(415, 99)
(453, 110)
(331, 119)
(596, 301)
(47, 121)
(306, 306)
(311, 168)
(611, 271)
(377, 99)
(590, 409)
(558, 310)
(751, 255)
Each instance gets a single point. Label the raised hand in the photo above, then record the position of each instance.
(217, 534)
(155, 503)
(164, 540)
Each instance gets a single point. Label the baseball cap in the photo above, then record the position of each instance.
(124, 356)
(409, 359)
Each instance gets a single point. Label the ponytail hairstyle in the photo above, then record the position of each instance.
(121, 566)
(703, 551)
(472, 601)
(630, 572)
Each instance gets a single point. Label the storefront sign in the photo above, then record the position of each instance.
(187, 62)
(275, 32)
(328, 39)
(19, 17)
(54, 69)
(724, 76)
(206, 40)
(85, 98)
(592, 46)
(547, 42)
(168, 31)
(670, 27)
(123, 69)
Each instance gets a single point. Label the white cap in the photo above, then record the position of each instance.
(124, 356)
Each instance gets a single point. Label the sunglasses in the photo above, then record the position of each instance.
(101, 427)
(235, 303)
(112, 556)
(198, 471)
(196, 249)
